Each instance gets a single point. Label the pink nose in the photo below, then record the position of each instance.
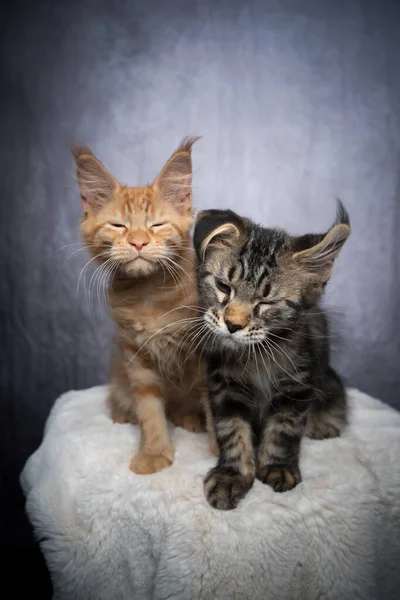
(139, 244)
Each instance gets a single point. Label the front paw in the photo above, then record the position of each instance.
(146, 464)
(323, 431)
(224, 491)
(280, 477)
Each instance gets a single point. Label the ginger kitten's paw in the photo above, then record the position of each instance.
(280, 477)
(190, 421)
(146, 464)
(223, 491)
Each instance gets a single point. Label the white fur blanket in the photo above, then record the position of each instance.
(108, 534)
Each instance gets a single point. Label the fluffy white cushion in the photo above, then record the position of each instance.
(108, 534)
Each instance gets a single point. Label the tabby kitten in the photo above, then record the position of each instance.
(269, 377)
(141, 236)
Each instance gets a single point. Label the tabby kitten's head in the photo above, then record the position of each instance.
(253, 280)
(139, 230)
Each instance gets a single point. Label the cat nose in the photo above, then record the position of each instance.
(138, 244)
(232, 327)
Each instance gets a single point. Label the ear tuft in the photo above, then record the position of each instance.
(216, 229)
(174, 183)
(80, 150)
(96, 184)
(317, 253)
(187, 143)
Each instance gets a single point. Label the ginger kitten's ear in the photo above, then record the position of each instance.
(216, 229)
(317, 253)
(96, 184)
(174, 183)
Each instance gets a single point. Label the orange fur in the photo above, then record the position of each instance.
(142, 236)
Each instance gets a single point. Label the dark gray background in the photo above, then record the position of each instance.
(298, 102)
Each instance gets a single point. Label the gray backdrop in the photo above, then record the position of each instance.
(298, 102)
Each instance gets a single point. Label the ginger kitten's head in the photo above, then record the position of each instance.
(139, 230)
(255, 281)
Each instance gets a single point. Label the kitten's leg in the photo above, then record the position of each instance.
(120, 400)
(156, 451)
(186, 409)
(227, 483)
(191, 421)
(118, 413)
(214, 448)
(279, 449)
(327, 416)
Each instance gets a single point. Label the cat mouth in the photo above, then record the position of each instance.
(226, 338)
(139, 258)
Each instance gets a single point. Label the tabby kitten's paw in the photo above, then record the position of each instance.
(146, 464)
(223, 491)
(280, 477)
(321, 431)
(190, 421)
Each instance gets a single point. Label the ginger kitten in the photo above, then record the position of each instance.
(142, 236)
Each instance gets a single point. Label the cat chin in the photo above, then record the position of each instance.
(228, 341)
(235, 343)
(140, 266)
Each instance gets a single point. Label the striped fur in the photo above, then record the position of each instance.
(269, 378)
(141, 237)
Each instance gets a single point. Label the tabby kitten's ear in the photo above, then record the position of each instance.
(216, 229)
(96, 184)
(174, 183)
(316, 253)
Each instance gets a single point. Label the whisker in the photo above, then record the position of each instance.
(154, 334)
(181, 307)
(197, 336)
(177, 265)
(106, 281)
(112, 275)
(84, 269)
(206, 339)
(84, 247)
(95, 275)
(182, 258)
(172, 274)
(280, 367)
(280, 349)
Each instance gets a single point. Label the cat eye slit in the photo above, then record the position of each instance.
(267, 302)
(223, 287)
(118, 225)
(264, 304)
(157, 225)
(293, 304)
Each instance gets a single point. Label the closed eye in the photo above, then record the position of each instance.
(294, 304)
(157, 225)
(223, 287)
(118, 225)
(261, 307)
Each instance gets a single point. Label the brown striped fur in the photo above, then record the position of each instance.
(269, 376)
(141, 237)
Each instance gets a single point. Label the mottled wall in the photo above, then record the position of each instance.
(298, 102)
